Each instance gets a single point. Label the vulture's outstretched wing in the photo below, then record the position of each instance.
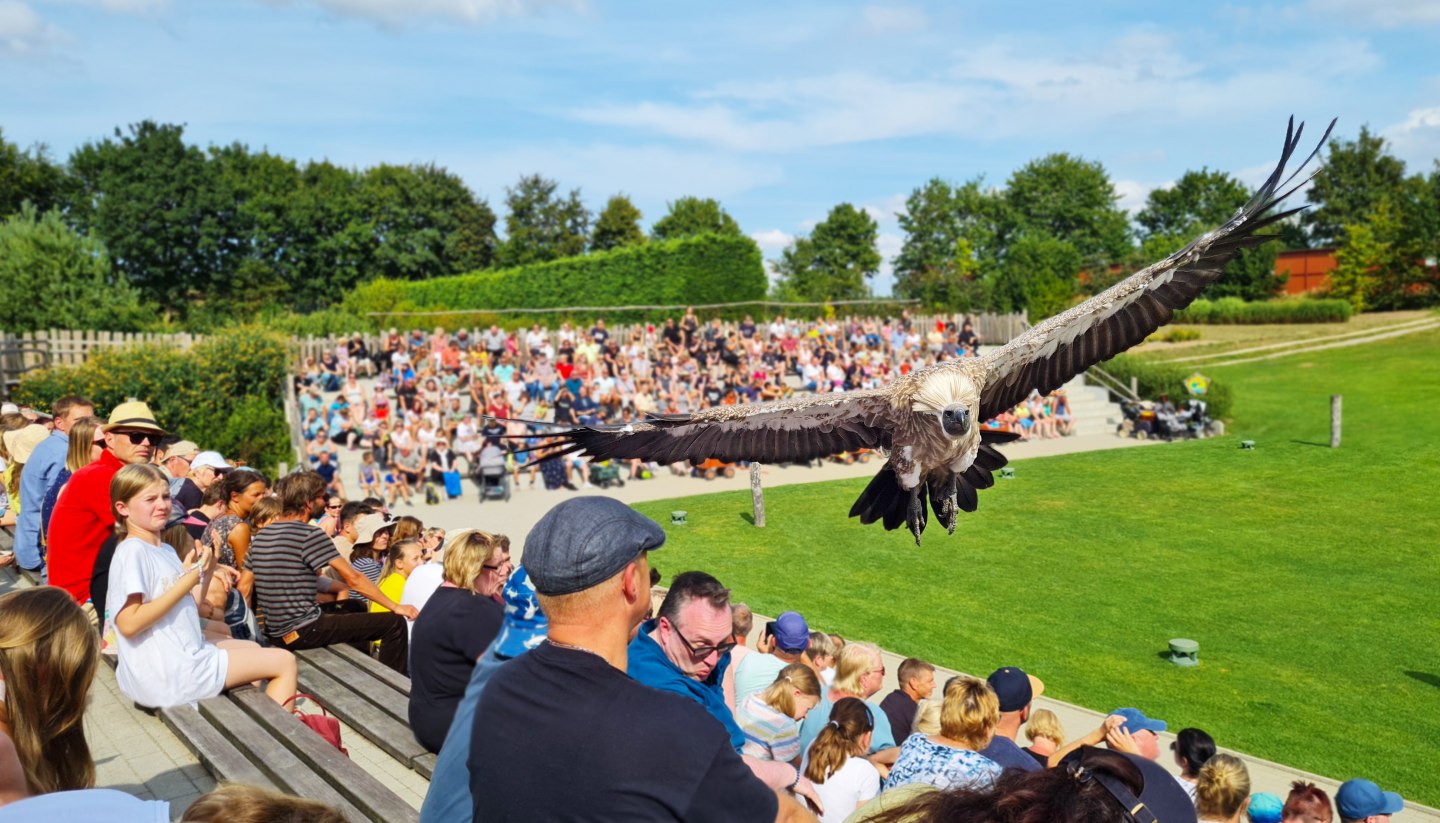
(799, 428)
(1051, 353)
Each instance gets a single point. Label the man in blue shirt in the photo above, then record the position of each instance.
(1016, 690)
(40, 473)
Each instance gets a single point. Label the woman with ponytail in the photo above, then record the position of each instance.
(836, 763)
(1223, 790)
(771, 718)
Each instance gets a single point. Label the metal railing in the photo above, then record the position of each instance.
(1113, 384)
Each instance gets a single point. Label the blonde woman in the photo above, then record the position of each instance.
(1223, 790)
(969, 713)
(402, 559)
(458, 623)
(48, 656)
(1045, 734)
(771, 718)
(836, 763)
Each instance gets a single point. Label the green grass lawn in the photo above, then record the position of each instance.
(1308, 575)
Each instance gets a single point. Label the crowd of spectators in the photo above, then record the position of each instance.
(441, 400)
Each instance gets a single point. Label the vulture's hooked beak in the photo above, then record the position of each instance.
(955, 420)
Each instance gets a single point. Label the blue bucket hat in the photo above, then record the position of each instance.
(525, 623)
(1265, 807)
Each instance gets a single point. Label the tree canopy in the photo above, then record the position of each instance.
(618, 225)
(690, 216)
(835, 261)
(541, 225)
(54, 278)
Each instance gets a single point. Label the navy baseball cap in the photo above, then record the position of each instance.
(585, 541)
(1360, 798)
(1136, 721)
(1015, 688)
(792, 633)
(1161, 794)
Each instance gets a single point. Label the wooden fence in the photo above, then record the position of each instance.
(20, 353)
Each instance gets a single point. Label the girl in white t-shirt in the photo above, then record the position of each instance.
(836, 764)
(164, 658)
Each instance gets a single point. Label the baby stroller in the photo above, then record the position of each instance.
(490, 474)
(605, 474)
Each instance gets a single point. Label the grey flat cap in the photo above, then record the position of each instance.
(585, 541)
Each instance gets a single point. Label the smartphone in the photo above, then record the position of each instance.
(770, 629)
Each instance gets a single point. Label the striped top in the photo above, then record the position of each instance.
(285, 557)
(769, 734)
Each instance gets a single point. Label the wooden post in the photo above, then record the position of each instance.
(1335, 421)
(757, 496)
(1135, 387)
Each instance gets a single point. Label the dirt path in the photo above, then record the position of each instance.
(1399, 331)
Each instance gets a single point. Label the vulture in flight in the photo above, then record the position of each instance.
(927, 422)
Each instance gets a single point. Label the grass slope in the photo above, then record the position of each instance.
(1307, 574)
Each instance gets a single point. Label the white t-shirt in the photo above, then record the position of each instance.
(168, 664)
(421, 583)
(856, 782)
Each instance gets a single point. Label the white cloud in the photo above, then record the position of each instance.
(1386, 14)
(893, 19)
(122, 6)
(402, 12)
(1416, 139)
(23, 33)
(772, 241)
(1133, 193)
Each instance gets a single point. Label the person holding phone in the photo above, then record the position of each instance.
(784, 642)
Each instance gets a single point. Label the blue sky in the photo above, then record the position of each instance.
(780, 110)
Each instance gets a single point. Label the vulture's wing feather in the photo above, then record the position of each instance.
(1050, 354)
(800, 428)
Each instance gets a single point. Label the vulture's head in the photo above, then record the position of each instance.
(952, 398)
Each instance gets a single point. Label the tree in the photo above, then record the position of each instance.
(541, 226)
(28, 176)
(55, 278)
(618, 225)
(1356, 175)
(1039, 275)
(1070, 199)
(689, 216)
(426, 221)
(1379, 264)
(835, 261)
(1199, 202)
(950, 233)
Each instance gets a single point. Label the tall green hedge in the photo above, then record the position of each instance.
(224, 393)
(708, 268)
(1234, 311)
(1156, 379)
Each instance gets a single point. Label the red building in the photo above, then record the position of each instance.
(1309, 269)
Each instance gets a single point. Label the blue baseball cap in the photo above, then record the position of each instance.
(525, 623)
(1136, 721)
(1265, 808)
(792, 633)
(1359, 798)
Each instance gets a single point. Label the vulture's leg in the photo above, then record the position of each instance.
(915, 515)
(942, 500)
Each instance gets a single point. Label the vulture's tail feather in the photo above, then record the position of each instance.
(882, 500)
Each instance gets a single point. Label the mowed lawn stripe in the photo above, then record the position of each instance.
(1309, 575)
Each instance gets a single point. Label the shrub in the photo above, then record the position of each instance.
(1234, 311)
(1168, 379)
(224, 393)
(1174, 336)
(709, 268)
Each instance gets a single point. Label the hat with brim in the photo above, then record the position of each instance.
(1360, 798)
(1136, 721)
(370, 525)
(133, 415)
(211, 460)
(1015, 688)
(524, 626)
(21, 443)
(185, 448)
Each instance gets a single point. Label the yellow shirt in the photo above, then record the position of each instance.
(393, 586)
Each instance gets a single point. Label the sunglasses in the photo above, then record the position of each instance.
(136, 438)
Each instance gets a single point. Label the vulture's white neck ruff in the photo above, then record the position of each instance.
(945, 387)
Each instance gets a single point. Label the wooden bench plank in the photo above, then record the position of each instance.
(372, 797)
(361, 681)
(376, 669)
(376, 725)
(425, 765)
(215, 752)
(270, 752)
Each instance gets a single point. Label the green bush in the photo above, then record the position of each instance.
(709, 268)
(1174, 335)
(1168, 379)
(224, 393)
(1234, 311)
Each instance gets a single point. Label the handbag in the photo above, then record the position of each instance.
(431, 496)
(322, 724)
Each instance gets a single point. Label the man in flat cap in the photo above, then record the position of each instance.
(563, 733)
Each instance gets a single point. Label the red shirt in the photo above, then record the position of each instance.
(82, 519)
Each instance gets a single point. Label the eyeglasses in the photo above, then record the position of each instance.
(502, 564)
(188, 460)
(333, 506)
(136, 438)
(702, 652)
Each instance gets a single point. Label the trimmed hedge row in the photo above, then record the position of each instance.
(708, 268)
(1156, 379)
(223, 394)
(1234, 311)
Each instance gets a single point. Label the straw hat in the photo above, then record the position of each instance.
(134, 414)
(21, 443)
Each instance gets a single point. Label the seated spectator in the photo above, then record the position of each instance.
(1361, 800)
(164, 659)
(19, 445)
(457, 624)
(1223, 789)
(288, 555)
(770, 719)
(236, 803)
(423, 581)
(1015, 690)
(836, 762)
(371, 482)
(859, 673)
(1137, 734)
(822, 652)
(783, 645)
(1192, 748)
(742, 620)
(968, 716)
(48, 657)
(85, 445)
(1264, 807)
(407, 528)
(400, 560)
(373, 533)
(1306, 803)
(1045, 735)
(917, 681)
(430, 542)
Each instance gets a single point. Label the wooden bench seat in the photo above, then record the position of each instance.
(368, 697)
